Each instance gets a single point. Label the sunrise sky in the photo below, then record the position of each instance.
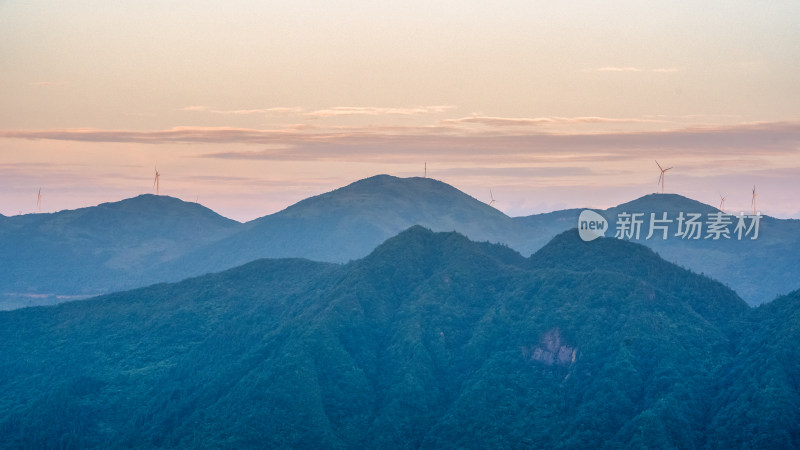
(250, 106)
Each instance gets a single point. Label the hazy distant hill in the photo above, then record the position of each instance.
(546, 226)
(430, 341)
(349, 222)
(759, 270)
(54, 257)
(99, 249)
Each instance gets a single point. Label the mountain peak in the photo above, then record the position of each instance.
(664, 203)
(388, 186)
(418, 243)
(155, 206)
(568, 251)
(148, 200)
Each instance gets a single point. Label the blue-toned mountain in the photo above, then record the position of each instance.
(432, 340)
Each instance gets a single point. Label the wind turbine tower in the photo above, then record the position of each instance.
(661, 177)
(156, 183)
(39, 201)
(426, 170)
(753, 202)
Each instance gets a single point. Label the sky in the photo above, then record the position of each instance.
(248, 107)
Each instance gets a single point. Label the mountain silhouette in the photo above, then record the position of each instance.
(348, 223)
(135, 242)
(432, 340)
(758, 270)
(100, 249)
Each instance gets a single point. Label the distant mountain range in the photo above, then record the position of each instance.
(759, 270)
(431, 341)
(348, 223)
(50, 258)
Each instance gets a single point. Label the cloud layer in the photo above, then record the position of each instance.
(336, 111)
(639, 69)
(449, 141)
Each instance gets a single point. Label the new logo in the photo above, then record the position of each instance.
(591, 225)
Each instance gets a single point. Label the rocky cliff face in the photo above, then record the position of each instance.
(552, 350)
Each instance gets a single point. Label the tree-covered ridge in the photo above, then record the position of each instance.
(758, 398)
(50, 258)
(431, 341)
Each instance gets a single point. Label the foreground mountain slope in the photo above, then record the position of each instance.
(722, 306)
(430, 341)
(103, 248)
(758, 404)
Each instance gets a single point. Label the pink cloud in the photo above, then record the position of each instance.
(48, 83)
(619, 69)
(196, 108)
(398, 143)
(631, 69)
(528, 121)
(376, 111)
(240, 112)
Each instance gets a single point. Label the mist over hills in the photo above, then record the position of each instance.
(432, 340)
(759, 270)
(349, 222)
(50, 258)
(102, 248)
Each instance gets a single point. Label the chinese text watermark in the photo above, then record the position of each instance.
(688, 226)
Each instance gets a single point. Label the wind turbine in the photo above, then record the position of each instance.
(722, 202)
(492, 196)
(753, 202)
(661, 177)
(156, 184)
(39, 201)
(426, 170)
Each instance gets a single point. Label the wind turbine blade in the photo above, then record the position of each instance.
(659, 166)
(660, 177)
(667, 169)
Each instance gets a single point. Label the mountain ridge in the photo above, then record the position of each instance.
(97, 249)
(416, 344)
(149, 238)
